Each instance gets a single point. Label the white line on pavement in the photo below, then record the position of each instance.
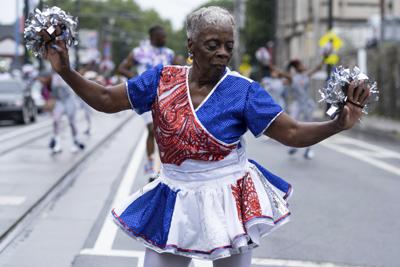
(295, 263)
(103, 245)
(25, 130)
(109, 230)
(11, 200)
(381, 152)
(362, 156)
(202, 263)
(116, 253)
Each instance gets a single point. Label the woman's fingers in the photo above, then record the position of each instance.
(365, 94)
(350, 90)
(357, 90)
(45, 35)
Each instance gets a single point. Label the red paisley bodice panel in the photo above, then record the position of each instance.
(179, 135)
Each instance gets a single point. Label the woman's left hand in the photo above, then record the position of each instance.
(357, 96)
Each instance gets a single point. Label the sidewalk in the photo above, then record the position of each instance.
(371, 125)
(379, 127)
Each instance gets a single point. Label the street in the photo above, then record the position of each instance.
(54, 209)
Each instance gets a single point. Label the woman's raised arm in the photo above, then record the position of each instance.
(302, 134)
(109, 100)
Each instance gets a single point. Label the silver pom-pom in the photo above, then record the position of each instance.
(49, 25)
(335, 92)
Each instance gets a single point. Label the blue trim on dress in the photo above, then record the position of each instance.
(142, 89)
(275, 180)
(235, 106)
(150, 215)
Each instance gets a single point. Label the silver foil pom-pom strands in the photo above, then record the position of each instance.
(335, 92)
(44, 27)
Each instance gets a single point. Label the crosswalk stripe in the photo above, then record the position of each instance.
(204, 263)
(360, 155)
(109, 229)
(11, 200)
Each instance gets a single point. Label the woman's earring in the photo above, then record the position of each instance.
(190, 54)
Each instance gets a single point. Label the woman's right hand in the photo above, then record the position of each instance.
(57, 54)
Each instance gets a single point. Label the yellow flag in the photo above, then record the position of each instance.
(330, 36)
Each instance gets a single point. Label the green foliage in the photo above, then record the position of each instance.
(126, 24)
(122, 22)
(228, 4)
(259, 26)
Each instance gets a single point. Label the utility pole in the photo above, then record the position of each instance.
(275, 30)
(40, 58)
(16, 35)
(382, 7)
(26, 14)
(330, 27)
(77, 12)
(239, 14)
(330, 15)
(381, 66)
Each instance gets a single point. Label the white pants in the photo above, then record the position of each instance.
(69, 108)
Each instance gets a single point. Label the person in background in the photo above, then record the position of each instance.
(302, 104)
(64, 104)
(277, 86)
(264, 59)
(147, 55)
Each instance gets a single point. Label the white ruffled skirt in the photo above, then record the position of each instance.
(207, 213)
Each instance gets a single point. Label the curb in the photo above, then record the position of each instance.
(377, 132)
(370, 126)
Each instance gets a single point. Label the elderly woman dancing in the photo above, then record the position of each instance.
(209, 201)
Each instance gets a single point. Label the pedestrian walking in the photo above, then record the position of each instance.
(64, 104)
(302, 105)
(210, 201)
(277, 86)
(144, 57)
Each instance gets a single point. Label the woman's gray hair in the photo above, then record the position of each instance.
(207, 16)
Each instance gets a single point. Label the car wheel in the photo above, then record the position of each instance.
(24, 116)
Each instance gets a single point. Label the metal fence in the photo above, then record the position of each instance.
(383, 65)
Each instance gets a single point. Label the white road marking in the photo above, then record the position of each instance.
(109, 229)
(116, 253)
(203, 263)
(25, 130)
(11, 200)
(103, 245)
(295, 263)
(337, 143)
(381, 152)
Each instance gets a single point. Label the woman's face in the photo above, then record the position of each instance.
(213, 48)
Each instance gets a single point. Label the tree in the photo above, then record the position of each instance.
(122, 22)
(259, 26)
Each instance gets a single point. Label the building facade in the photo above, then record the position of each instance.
(301, 23)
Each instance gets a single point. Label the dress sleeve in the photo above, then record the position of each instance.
(260, 109)
(142, 89)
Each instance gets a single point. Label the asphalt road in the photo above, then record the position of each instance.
(344, 208)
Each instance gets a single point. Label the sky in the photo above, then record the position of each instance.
(174, 10)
